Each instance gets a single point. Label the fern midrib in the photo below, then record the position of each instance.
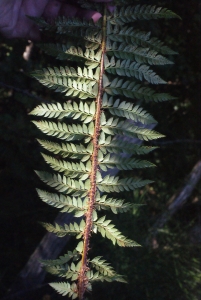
(82, 279)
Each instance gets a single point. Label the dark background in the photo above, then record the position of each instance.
(172, 270)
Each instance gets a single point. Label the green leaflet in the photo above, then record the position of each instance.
(127, 110)
(71, 150)
(97, 128)
(140, 12)
(71, 229)
(127, 68)
(64, 288)
(136, 37)
(83, 111)
(139, 54)
(108, 230)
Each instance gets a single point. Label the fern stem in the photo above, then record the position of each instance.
(82, 280)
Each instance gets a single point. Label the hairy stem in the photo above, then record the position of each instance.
(82, 280)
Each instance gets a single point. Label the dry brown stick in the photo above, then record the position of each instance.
(179, 198)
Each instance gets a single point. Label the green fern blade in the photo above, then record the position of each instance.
(138, 54)
(105, 269)
(127, 110)
(64, 52)
(140, 12)
(83, 88)
(65, 203)
(64, 288)
(128, 35)
(66, 72)
(64, 184)
(116, 145)
(113, 161)
(127, 68)
(71, 229)
(114, 184)
(72, 170)
(66, 271)
(114, 127)
(63, 23)
(60, 231)
(66, 110)
(63, 131)
(108, 230)
(74, 255)
(132, 89)
(70, 150)
(115, 205)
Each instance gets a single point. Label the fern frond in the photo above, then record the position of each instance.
(64, 52)
(140, 12)
(121, 163)
(65, 132)
(132, 69)
(114, 184)
(138, 54)
(135, 37)
(83, 88)
(71, 229)
(66, 203)
(67, 72)
(114, 127)
(123, 145)
(64, 184)
(71, 150)
(116, 205)
(127, 110)
(132, 89)
(107, 129)
(83, 111)
(64, 288)
(72, 170)
(105, 269)
(62, 259)
(108, 230)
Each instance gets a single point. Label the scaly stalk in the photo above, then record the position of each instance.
(82, 280)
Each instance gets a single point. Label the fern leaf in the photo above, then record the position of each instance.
(114, 184)
(140, 12)
(63, 73)
(71, 229)
(72, 170)
(127, 110)
(63, 52)
(108, 230)
(63, 131)
(123, 145)
(71, 150)
(105, 269)
(62, 259)
(116, 205)
(133, 69)
(84, 112)
(113, 127)
(64, 184)
(138, 54)
(132, 89)
(114, 161)
(64, 288)
(65, 203)
(82, 88)
(128, 35)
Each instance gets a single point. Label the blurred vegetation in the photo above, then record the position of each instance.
(171, 269)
